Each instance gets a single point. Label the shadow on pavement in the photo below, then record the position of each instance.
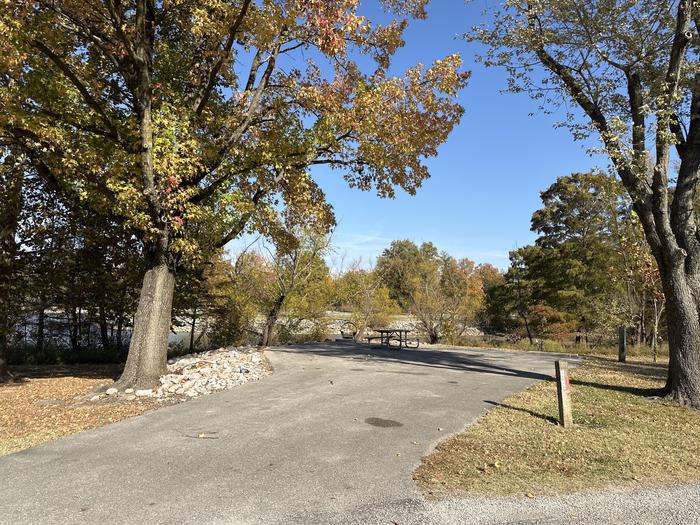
(456, 360)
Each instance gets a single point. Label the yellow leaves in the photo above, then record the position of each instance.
(306, 201)
(177, 160)
(211, 16)
(251, 137)
(415, 8)
(446, 76)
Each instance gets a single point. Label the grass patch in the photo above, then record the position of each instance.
(41, 405)
(621, 437)
(635, 353)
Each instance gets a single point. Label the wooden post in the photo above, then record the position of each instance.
(622, 344)
(564, 394)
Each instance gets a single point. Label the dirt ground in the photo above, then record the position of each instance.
(43, 403)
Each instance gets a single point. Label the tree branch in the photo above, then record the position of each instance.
(681, 39)
(203, 97)
(73, 78)
(238, 132)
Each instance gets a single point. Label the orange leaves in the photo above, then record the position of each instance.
(330, 19)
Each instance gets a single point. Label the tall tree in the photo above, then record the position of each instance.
(589, 263)
(295, 266)
(399, 265)
(189, 122)
(363, 293)
(578, 263)
(446, 295)
(492, 316)
(517, 294)
(632, 69)
(11, 180)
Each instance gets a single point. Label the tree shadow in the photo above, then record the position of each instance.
(544, 417)
(467, 361)
(655, 370)
(23, 373)
(645, 370)
(633, 390)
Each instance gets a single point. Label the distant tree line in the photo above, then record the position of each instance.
(588, 272)
(76, 282)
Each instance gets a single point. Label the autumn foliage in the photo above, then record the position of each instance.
(190, 123)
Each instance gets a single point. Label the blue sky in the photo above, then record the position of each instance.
(486, 180)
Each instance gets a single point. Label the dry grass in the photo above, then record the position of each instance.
(621, 437)
(42, 405)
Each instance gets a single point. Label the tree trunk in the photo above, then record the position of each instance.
(4, 372)
(527, 329)
(86, 325)
(683, 322)
(5, 323)
(641, 330)
(104, 332)
(74, 329)
(192, 328)
(360, 332)
(271, 321)
(119, 342)
(41, 321)
(655, 334)
(148, 349)
(11, 181)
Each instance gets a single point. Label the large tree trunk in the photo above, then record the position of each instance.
(148, 349)
(683, 322)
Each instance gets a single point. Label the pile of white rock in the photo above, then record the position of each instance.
(195, 375)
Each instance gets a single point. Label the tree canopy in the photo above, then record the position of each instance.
(189, 123)
(631, 69)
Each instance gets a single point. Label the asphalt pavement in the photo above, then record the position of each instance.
(332, 436)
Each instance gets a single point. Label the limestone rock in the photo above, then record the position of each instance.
(200, 374)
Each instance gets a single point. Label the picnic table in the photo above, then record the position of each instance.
(386, 335)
